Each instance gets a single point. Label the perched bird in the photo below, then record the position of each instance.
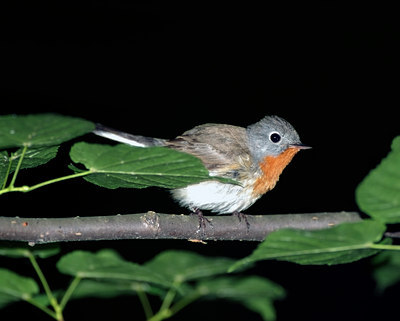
(254, 157)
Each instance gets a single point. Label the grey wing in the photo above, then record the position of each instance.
(222, 148)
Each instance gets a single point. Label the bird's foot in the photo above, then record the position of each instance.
(241, 216)
(203, 221)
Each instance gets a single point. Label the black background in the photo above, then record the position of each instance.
(159, 69)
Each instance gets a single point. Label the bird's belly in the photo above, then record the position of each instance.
(216, 197)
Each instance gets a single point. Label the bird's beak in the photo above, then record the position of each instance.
(299, 146)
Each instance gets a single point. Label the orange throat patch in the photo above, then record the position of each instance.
(271, 168)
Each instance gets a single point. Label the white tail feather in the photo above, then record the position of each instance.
(118, 138)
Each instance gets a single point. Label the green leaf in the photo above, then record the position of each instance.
(40, 130)
(20, 251)
(14, 287)
(256, 293)
(107, 265)
(263, 307)
(344, 243)
(378, 194)
(127, 166)
(33, 157)
(387, 269)
(183, 266)
(4, 164)
(103, 289)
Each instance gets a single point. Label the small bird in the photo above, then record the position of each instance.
(254, 157)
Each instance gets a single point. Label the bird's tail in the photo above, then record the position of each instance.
(122, 137)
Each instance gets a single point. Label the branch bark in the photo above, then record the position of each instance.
(153, 225)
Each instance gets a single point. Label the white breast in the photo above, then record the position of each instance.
(215, 196)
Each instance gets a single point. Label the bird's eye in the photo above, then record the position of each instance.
(275, 137)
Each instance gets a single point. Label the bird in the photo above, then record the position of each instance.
(253, 156)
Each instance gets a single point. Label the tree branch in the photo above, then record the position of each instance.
(153, 225)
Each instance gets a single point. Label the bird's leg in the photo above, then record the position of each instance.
(202, 219)
(241, 216)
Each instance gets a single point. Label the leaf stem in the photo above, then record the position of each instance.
(18, 166)
(42, 307)
(164, 312)
(145, 304)
(184, 302)
(69, 291)
(385, 247)
(169, 297)
(55, 180)
(47, 290)
(26, 188)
